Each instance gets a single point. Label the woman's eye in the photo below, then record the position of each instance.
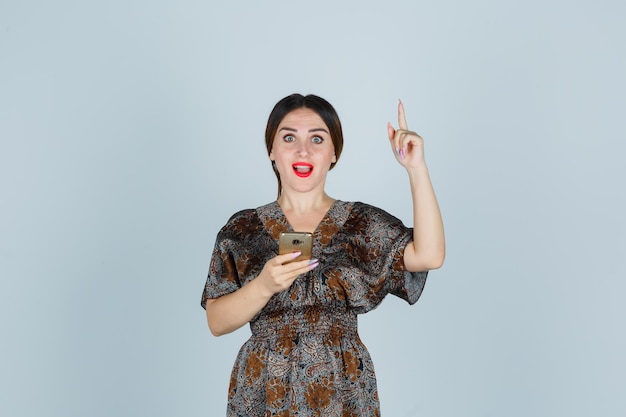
(317, 139)
(289, 138)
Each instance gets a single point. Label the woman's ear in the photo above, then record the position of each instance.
(334, 160)
(272, 156)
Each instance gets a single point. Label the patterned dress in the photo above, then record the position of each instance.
(305, 357)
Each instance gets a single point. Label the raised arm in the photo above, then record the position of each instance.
(427, 251)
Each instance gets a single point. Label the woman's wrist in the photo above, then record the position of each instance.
(259, 288)
(419, 171)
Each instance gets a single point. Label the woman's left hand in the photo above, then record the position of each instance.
(408, 146)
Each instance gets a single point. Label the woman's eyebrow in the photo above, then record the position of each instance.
(291, 129)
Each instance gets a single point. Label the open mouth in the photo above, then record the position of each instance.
(302, 169)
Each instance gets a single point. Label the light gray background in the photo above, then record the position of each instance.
(131, 130)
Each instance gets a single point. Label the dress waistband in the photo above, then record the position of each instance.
(307, 320)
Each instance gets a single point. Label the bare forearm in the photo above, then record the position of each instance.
(229, 312)
(428, 248)
(232, 311)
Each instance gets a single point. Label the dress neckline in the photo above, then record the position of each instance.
(325, 217)
(274, 220)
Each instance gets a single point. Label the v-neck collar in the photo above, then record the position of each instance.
(275, 221)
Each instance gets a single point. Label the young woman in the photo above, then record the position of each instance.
(305, 357)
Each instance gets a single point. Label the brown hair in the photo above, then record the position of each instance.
(297, 101)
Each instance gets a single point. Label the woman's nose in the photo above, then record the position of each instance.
(303, 148)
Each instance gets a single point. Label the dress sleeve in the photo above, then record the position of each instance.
(401, 283)
(222, 278)
(236, 255)
(378, 245)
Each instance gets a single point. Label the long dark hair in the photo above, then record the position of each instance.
(297, 101)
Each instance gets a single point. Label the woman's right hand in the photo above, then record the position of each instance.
(278, 273)
(231, 311)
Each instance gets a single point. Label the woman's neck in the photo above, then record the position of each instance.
(303, 203)
(304, 212)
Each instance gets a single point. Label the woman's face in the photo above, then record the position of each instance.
(303, 151)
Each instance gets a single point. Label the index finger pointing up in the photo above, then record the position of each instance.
(401, 118)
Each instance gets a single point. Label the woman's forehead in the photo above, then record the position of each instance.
(302, 116)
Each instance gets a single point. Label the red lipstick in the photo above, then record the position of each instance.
(302, 169)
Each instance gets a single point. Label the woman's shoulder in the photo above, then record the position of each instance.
(372, 214)
(241, 223)
(359, 207)
(255, 217)
(242, 214)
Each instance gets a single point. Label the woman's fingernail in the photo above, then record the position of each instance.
(313, 261)
(296, 254)
(402, 153)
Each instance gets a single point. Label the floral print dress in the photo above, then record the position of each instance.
(305, 357)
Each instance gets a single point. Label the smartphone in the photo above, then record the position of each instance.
(296, 242)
